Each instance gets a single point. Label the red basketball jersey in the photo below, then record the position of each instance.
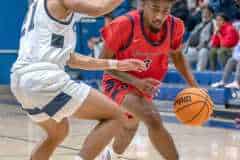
(128, 38)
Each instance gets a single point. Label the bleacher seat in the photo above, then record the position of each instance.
(168, 92)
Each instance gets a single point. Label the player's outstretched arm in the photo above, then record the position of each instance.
(183, 67)
(88, 63)
(91, 7)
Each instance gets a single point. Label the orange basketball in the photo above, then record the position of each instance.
(193, 106)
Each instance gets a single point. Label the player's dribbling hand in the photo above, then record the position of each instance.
(131, 65)
(148, 86)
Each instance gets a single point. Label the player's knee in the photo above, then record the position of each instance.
(120, 119)
(60, 132)
(64, 129)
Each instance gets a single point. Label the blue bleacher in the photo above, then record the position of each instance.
(168, 92)
(203, 78)
(174, 83)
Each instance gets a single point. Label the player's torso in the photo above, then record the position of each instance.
(44, 38)
(153, 53)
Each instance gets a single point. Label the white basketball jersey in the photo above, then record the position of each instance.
(44, 38)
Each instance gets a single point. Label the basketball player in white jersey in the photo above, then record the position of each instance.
(45, 90)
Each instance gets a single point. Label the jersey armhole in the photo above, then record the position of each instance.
(130, 37)
(172, 31)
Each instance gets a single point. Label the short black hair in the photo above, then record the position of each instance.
(224, 16)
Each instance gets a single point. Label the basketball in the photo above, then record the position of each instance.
(193, 106)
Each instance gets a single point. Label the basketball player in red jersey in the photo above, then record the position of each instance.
(150, 34)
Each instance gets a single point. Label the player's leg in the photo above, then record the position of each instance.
(55, 134)
(98, 107)
(124, 138)
(158, 135)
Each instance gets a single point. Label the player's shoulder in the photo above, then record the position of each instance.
(177, 21)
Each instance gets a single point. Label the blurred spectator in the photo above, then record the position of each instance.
(236, 24)
(135, 4)
(224, 39)
(229, 7)
(237, 5)
(232, 64)
(180, 10)
(194, 15)
(197, 47)
(95, 43)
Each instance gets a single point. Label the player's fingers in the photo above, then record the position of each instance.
(132, 65)
(153, 81)
(140, 64)
(150, 88)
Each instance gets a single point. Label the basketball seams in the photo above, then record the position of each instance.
(189, 93)
(195, 116)
(202, 114)
(202, 91)
(185, 106)
(207, 96)
(196, 94)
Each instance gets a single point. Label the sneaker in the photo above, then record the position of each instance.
(218, 84)
(234, 84)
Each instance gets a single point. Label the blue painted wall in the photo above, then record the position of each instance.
(12, 14)
(6, 61)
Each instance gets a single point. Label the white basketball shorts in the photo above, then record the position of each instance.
(46, 91)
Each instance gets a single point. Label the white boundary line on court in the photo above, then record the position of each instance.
(8, 51)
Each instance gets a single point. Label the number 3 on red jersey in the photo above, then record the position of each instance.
(148, 63)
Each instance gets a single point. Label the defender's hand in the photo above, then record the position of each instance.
(131, 65)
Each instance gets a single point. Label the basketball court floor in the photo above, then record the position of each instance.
(18, 135)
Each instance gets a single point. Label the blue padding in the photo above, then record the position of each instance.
(173, 77)
(91, 75)
(6, 63)
(216, 76)
(12, 15)
(219, 95)
(87, 29)
(203, 78)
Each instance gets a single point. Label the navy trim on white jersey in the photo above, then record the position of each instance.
(53, 18)
(52, 107)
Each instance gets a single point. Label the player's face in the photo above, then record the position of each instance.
(155, 13)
